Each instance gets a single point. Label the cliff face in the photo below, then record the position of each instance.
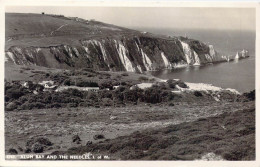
(112, 49)
(136, 54)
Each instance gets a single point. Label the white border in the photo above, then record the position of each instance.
(147, 3)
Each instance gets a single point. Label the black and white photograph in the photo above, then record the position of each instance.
(110, 83)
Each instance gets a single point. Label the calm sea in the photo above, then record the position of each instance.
(239, 75)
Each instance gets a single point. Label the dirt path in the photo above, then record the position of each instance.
(58, 28)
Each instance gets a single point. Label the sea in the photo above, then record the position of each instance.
(239, 75)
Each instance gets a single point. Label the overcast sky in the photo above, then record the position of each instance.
(181, 18)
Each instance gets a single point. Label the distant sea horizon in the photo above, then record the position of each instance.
(239, 75)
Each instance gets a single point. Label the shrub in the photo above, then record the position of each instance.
(133, 95)
(181, 84)
(197, 94)
(98, 136)
(37, 148)
(15, 92)
(152, 95)
(250, 95)
(172, 83)
(171, 104)
(30, 105)
(92, 96)
(118, 94)
(12, 105)
(73, 92)
(67, 82)
(143, 78)
(12, 151)
(41, 140)
(55, 105)
(105, 94)
(76, 139)
(125, 74)
(72, 105)
(86, 84)
(107, 102)
(106, 84)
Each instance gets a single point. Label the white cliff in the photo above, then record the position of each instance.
(10, 55)
(103, 51)
(122, 52)
(68, 50)
(197, 59)
(166, 61)
(187, 52)
(146, 61)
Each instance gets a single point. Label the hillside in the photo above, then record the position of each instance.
(48, 30)
(68, 42)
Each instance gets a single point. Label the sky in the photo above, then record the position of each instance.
(156, 17)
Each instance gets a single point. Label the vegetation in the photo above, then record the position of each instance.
(21, 98)
(229, 136)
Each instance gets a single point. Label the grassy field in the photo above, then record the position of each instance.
(229, 136)
(51, 30)
(60, 125)
(37, 73)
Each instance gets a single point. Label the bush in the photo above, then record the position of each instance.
(118, 94)
(37, 148)
(152, 95)
(172, 83)
(105, 94)
(41, 140)
(106, 84)
(72, 105)
(197, 94)
(133, 95)
(86, 84)
(92, 96)
(107, 102)
(31, 105)
(67, 82)
(54, 105)
(98, 136)
(125, 74)
(143, 78)
(250, 95)
(181, 84)
(16, 92)
(73, 92)
(12, 105)
(76, 139)
(12, 151)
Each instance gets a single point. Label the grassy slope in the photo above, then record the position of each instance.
(38, 73)
(59, 125)
(230, 135)
(36, 30)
